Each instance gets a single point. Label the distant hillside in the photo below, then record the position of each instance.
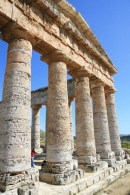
(125, 138)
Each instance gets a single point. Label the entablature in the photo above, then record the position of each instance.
(48, 24)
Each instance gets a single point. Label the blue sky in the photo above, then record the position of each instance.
(110, 22)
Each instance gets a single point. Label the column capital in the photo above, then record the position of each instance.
(37, 106)
(13, 31)
(110, 90)
(81, 72)
(55, 56)
(71, 99)
(95, 82)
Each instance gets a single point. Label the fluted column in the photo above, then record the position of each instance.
(36, 128)
(45, 149)
(71, 128)
(58, 121)
(15, 131)
(85, 140)
(102, 137)
(113, 124)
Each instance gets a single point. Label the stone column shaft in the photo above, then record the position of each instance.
(36, 127)
(102, 136)
(15, 131)
(58, 127)
(71, 128)
(59, 168)
(113, 125)
(85, 141)
(45, 149)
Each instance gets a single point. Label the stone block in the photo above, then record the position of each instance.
(128, 160)
(8, 182)
(94, 167)
(28, 190)
(61, 179)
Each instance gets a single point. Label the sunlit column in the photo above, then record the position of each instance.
(15, 134)
(113, 124)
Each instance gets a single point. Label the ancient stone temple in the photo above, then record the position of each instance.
(66, 43)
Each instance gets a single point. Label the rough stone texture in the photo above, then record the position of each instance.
(113, 125)
(10, 181)
(71, 128)
(15, 132)
(40, 96)
(85, 141)
(55, 30)
(94, 167)
(35, 134)
(28, 190)
(58, 127)
(45, 149)
(62, 178)
(48, 25)
(102, 137)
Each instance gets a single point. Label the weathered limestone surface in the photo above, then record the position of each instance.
(113, 125)
(47, 26)
(40, 96)
(9, 182)
(58, 127)
(15, 132)
(71, 127)
(45, 149)
(60, 168)
(102, 138)
(35, 134)
(85, 141)
(59, 27)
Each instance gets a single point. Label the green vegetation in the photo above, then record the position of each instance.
(42, 135)
(125, 144)
(125, 141)
(42, 138)
(125, 138)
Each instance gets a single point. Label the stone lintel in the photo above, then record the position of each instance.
(55, 56)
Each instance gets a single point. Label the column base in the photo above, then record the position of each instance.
(60, 167)
(120, 154)
(89, 160)
(60, 173)
(10, 181)
(93, 168)
(39, 150)
(62, 178)
(109, 158)
(111, 162)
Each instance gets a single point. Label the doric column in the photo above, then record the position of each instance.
(113, 124)
(36, 128)
(45, 149)
(85, 140)
(15, 131)
(102, 137)
(59, 158)
(71, 127)
(58, 127)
